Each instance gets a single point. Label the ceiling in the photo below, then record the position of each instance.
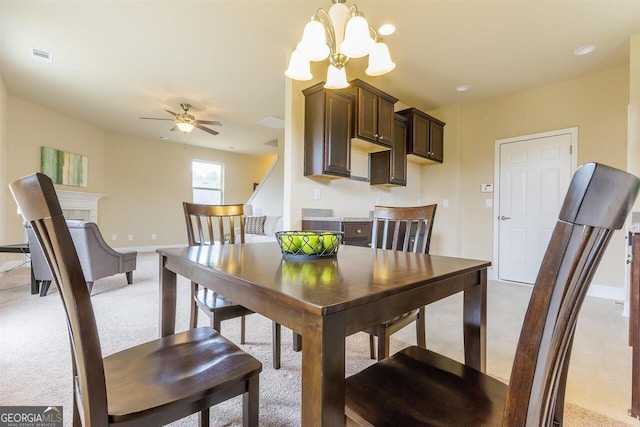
(116, 61)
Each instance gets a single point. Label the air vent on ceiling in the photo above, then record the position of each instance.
(272, 122)
(41, 54)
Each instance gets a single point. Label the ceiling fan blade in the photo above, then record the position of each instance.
(211, 131)
(171, 112)
(154, 118)
(209, 122)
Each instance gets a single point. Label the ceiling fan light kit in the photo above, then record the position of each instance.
(341, 34)
(186, 122)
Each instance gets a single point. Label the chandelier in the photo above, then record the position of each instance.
(341, 34)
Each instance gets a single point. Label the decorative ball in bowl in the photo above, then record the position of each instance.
(309, 244)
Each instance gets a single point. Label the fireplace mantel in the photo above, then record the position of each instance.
(80, 201)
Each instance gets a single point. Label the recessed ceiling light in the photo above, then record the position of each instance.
(386, 29)
(463, 88)
(584, 50)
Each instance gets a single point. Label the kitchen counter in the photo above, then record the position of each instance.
(336, 218)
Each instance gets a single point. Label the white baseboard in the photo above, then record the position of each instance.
(599, 291)
(606, 292)
(151, 248)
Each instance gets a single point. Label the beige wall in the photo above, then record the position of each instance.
(3, 166)
(596, 104)
(148, 179)
(144, 180)
(29, 128)
(633, 149)
(268, 198)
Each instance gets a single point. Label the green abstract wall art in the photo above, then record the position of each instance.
(63, 167)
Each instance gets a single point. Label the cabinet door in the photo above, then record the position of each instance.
(385, 122)
(367, 120)
(398, 172)
(337, 144)
(436, 141)
(420, 136)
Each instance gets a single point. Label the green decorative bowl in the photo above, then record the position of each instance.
(309, 244)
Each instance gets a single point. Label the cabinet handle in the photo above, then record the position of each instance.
(358, 231)
(376, 135)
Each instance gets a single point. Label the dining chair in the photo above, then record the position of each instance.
(219, 224)
(419, 387)
(153, 383)
(405, 229)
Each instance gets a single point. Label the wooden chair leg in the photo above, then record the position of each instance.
(193, 317)
(129, 275)
(242, 330)
(421, 332)
(44, 288)
(77, 420)
(297, 342)
(251, 402)
(204, 418)
(276, 344)
(372, 347)
(383, 344)
(215, 323)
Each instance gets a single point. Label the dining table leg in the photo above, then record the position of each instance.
(323, 370)
(167, 299)
(475, 324)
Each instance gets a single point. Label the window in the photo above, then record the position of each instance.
(207, 182)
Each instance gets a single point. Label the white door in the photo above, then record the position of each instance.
(534, 174)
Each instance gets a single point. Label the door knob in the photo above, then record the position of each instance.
(504, 218)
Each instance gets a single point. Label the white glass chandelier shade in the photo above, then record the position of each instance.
(340, 34)
(357, 41)
(380, 60)
(336, 78)
(339, 14)
(313, 45)
(299, 67)
(185, 127)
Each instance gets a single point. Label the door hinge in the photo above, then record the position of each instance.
(571, 149)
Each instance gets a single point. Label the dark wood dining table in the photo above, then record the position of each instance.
(326, 300)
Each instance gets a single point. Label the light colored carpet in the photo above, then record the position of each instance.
(35, 362)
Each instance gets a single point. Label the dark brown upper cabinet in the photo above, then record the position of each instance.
(328, 118)
(390, 167)
(373, 113)
(425, 136)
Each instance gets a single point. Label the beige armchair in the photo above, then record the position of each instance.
(97, 259)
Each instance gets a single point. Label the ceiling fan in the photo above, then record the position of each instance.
(185, 122)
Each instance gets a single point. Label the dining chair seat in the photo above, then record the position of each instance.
(222, 307)
(458, 395)
(193, 365)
